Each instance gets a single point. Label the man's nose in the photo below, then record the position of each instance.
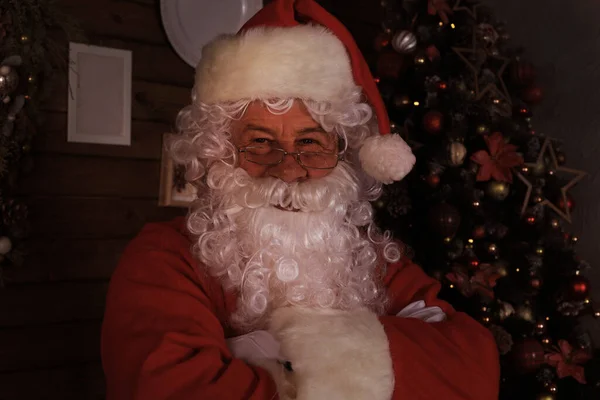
(289, 170)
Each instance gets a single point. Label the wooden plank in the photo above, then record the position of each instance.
(82, 259)
(94, 218)
(51, 303)
(49, 346)
(122, 19)
(149, 102)
(146, 140)
(151, 62)
(66, 175)
(70, 383)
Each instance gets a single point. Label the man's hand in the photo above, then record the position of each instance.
(335, 354)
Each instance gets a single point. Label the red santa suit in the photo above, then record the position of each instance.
(167, 321)
(166, 328)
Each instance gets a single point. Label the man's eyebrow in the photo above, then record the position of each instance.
(260, 128)
(311, 129)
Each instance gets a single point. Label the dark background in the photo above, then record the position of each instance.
(87, 201)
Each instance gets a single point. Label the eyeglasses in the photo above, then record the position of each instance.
(273, 156)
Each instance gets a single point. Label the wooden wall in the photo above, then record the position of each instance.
(87, 201)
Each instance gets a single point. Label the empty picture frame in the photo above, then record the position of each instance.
(99, 107)
(174, 190)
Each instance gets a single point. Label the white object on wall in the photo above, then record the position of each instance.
(99, 95)
(191, 24)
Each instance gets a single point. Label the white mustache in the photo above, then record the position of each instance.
(234, 187)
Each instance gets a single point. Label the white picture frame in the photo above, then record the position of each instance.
(99, 105)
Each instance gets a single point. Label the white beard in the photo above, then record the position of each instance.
(317, 257)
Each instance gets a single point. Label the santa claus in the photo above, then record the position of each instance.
(278, 283)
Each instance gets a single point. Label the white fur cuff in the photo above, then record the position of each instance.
(386, 158)
(335, 354)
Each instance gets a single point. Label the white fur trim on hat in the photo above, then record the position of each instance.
(386, 158)
(305, 61)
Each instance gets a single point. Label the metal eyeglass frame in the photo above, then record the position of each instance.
(295, 154)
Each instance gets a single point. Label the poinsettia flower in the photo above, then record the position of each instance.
(440, 7)
(497, 163)
(567, 361)
(482, 281)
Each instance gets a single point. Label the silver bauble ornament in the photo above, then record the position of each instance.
(5, 245)
(404, 42)
(456, 153)
(8, 82)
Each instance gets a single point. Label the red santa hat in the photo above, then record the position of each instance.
(296, 49)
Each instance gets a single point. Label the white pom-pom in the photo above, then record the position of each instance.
(386, 158)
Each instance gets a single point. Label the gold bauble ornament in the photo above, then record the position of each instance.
(524, 312)
(5, 245)
(498, 190)
(545, 396)
(538, 169)
(9, 81)
(456, 153)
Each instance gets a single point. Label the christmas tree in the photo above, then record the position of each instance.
(29, 58)
(486, 209)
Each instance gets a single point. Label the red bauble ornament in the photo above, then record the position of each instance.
(568, 204)
(532, 94)
(479, 232)
(433, 180)
(433, 121)
(527, 355)
(523, 73)
(535, 282)
(382, 41)
(473, 262)
(389, 64)
(444, 219)
(578, 288)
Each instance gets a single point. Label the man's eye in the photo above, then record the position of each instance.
(261, 141)
(307, 141)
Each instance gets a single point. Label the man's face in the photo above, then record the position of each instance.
(293, 131)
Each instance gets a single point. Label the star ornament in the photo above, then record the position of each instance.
(474, 59)
(472, 11)
(576, 176)
(499, 161)
(567, 361)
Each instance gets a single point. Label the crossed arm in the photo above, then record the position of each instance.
(163, 335)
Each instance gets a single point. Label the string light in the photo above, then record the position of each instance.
(416, 103)
(453, 26)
